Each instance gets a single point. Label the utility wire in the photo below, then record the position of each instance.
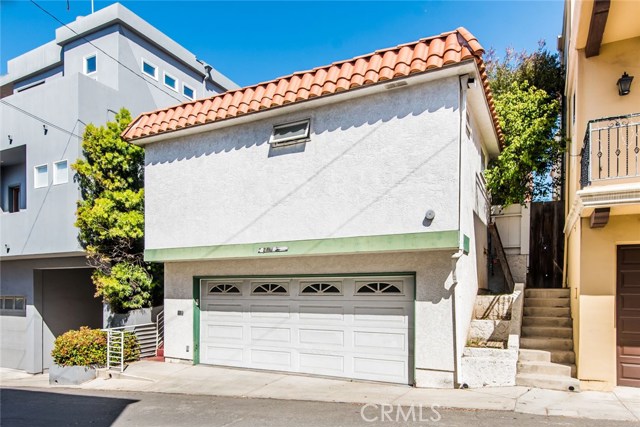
(40, 119)
(135, 73)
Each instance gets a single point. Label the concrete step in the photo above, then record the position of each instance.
(528, 355)
(551, 382)
(547, 332)
(544, 368)
(543, 322)
(547, 343)
(547, 302)
(547, 293)
(566, 357)
(547, 311)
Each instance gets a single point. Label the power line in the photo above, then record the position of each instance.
(135, 73)
(40, 119)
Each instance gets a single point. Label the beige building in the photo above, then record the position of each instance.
(602, 52)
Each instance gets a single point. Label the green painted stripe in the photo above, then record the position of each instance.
(343, 245)
(196, 321)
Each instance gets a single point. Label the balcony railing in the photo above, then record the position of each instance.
(611, 149)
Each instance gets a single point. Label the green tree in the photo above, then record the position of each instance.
(110, 217)
(527, 90)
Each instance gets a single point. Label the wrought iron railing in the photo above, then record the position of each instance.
(611, 149)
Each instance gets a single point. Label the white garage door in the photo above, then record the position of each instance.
(353, 327)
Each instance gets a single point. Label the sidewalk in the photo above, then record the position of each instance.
(621, 404)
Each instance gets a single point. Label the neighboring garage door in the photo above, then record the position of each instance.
(353, 327)
(628, 312)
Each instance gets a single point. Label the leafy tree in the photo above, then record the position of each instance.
(527, 90)
(110, 217)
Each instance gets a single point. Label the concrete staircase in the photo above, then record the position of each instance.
(546, 358)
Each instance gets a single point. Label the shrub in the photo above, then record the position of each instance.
(88, 347)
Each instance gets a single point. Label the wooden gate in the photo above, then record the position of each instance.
(546, 245)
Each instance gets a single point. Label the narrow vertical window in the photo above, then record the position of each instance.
(90, 64)
(60, 172)
(40, 176)
(14, 198)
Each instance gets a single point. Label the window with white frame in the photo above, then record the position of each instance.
(189, 92)
(170, 81)
(149, 69)
(291, 133)
(90, 64)
(60, 172)
(40, 176)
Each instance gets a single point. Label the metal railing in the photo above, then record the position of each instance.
(115, 349)
(147, 335)
(611, 149)
(159, 331)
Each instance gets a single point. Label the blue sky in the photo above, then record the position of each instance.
(252, 42)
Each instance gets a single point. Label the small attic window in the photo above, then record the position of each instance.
(291, 133)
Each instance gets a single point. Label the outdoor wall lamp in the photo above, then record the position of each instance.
(45, 129)
(10, 139)
(624, 84)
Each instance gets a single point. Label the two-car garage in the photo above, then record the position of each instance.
(357, 327)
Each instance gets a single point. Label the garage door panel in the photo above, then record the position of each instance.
(270, 335)
(224, 333)
(322, 337)
(371, 368)
(271, 359)
(379, 340)
(363, 336)
(366, 315)
(223, 355)
(223, 310)
(322, 364)
(321, 313)
(263, 310)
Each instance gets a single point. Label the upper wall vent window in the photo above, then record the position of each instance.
(149, 69)
(60, 172)
(291, 133)
(188, 92)
(90, 64)
(170, 82)
(40, 176)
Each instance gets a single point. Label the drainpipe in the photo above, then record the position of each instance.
(207, 75)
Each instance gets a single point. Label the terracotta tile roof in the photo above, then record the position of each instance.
(426, 54)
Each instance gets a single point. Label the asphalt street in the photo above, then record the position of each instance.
(72, 407)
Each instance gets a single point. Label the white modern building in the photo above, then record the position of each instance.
(94, 66)
(330, 222)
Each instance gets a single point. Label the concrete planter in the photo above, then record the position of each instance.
(131, 318)
(71, 375)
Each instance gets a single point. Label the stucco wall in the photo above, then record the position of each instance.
(597, 344)
(374, 166)
(434, 345)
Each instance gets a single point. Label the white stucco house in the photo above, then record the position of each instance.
(331, 222)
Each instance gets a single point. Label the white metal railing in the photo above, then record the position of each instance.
(115, 349)
(159, 331)
(147, 335)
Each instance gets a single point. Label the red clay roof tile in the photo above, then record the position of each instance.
(396, 62)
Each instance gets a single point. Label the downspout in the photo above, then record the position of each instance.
(207, 75)
(462, 82)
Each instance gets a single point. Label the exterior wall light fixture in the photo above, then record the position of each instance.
(10, 139)
(45, 129)
(624, 84)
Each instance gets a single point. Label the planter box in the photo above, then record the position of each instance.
(130, 318)
(71, 375)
